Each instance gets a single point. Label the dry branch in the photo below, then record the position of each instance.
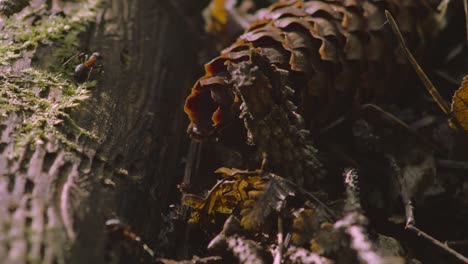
(436, 242)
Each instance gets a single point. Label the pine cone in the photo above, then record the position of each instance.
(302, 65)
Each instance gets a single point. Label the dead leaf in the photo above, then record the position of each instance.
(460, 104)
(226, 195)
(304, 226)
(310, 228)
(223, 198)
(193, 201)
(260, 196)
(262, 202)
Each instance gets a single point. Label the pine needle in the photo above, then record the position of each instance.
(465, 5)
(427, 83)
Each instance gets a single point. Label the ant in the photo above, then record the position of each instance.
(83, 70)
(118, 231)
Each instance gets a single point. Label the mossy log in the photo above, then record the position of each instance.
(74, 155)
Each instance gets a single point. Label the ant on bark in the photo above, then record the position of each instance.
(83, 70)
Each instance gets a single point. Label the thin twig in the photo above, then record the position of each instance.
(453, 164)
(332, 125)
(193, 161)
(279, 251)
(447, 77)
(303, 191)
(287, 239)
(191, 169)
(427, 83)
(405, 196)
(465, 5)
(457, 243)
(443, 105)
(436, 242)
(423, 122)
(320, 203)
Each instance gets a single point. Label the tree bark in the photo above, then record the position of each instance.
(72, 157)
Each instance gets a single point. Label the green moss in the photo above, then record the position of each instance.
(19, 36)
(43, 115)
(42, 99)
